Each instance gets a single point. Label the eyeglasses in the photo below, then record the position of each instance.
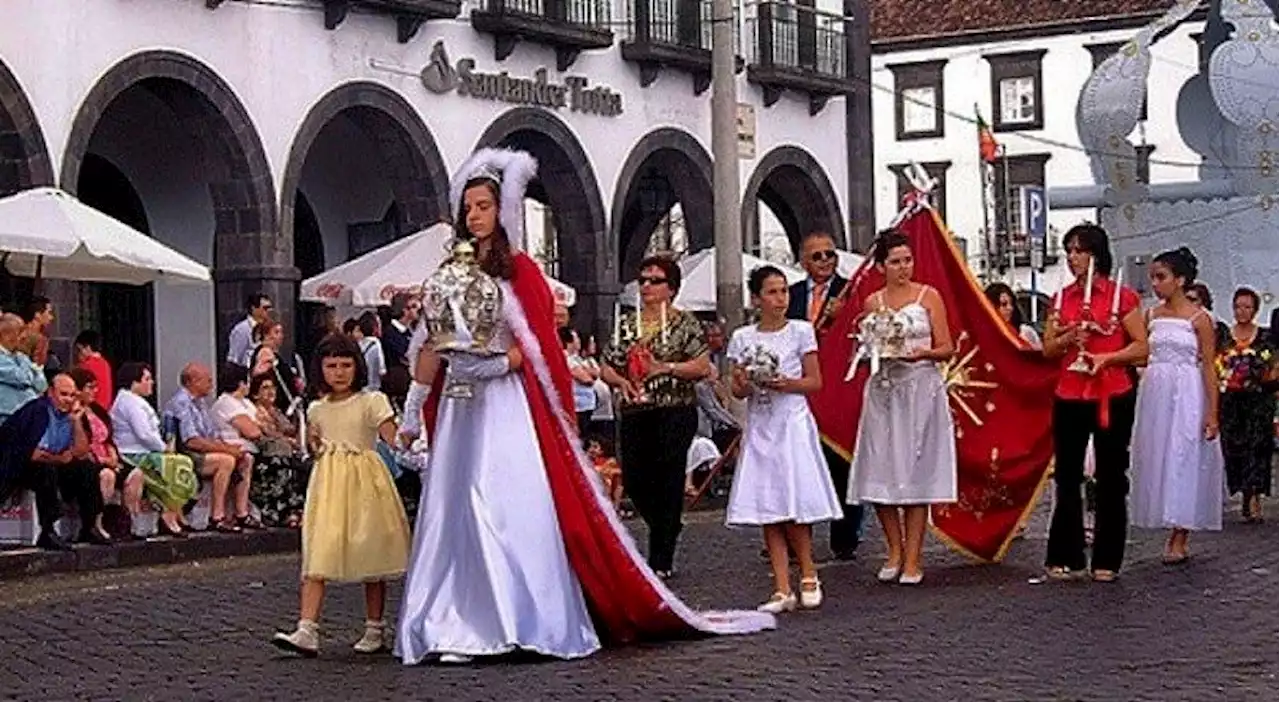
(651, 280)
(820, 256)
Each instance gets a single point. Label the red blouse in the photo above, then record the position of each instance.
(1112, 380)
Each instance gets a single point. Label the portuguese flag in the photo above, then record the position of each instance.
(988, 149)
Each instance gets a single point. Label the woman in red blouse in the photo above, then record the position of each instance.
(1096, 329)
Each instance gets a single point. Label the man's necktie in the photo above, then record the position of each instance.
(816, 297)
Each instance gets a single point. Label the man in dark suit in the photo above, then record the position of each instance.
(817, 300)
(395, 345)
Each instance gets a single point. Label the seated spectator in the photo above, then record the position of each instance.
(42, 449)
(21, 381)
(268, 357)
(88, 350)
(113, 473)
(600, 451)
(235, 417)
(228, 466)
(280, 486)
(169, 478)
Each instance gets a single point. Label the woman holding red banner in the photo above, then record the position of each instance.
(905, 455)
(1097, 330)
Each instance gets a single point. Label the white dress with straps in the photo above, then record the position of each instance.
(905, 453)
(1177, 474)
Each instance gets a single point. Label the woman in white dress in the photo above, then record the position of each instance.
(904, 458)
(516, 546)
(781, 483)
(1177, 461)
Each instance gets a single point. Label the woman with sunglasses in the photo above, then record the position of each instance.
(657, 356)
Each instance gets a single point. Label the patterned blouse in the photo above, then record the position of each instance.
(684, 341)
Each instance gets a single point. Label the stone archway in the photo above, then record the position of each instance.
(566, 184)
(178, 135)
(366, 126)
(24, 163)
(24, 158)
(363, 170)
(793, 185)
(665, 167)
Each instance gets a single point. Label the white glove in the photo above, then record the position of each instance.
(470, 367)
(413, 404)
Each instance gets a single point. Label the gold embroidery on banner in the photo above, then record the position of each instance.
(962, 387)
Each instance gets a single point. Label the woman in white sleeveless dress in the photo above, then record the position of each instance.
(1177, 462)
(904, 458)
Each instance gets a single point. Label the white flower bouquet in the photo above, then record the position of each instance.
(881, 336)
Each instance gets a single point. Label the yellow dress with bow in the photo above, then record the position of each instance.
(354, 526)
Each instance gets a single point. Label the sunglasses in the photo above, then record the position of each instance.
(651, 280)
(1193, 298)
(820, 256)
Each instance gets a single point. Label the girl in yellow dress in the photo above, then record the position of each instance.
(354, 526)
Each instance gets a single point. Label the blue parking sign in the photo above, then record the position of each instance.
(1035, 212)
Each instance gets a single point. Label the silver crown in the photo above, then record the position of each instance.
(487, 172)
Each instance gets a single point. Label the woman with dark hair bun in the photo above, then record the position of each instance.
(1247, 369)
(1097, 330)
(1177, 463)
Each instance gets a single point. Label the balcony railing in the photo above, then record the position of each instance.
(570, 26)
(586, 13)
(794, 36)
(672, 33)
(799, 48)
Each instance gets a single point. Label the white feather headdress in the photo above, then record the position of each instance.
(512, 171)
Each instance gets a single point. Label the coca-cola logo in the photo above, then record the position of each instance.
(389, 291)
(330, 291)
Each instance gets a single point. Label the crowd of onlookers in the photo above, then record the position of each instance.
(87, 439)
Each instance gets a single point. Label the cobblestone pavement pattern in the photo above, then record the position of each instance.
(1203, 631)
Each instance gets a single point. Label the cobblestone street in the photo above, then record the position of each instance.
(1204, 631)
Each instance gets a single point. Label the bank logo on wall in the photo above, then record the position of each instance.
(575, 93)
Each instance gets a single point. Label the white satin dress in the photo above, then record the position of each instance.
(488, 573)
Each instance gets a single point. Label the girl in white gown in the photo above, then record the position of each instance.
(515, 536)
(781, 482)
(904, 458)
(1177, 462)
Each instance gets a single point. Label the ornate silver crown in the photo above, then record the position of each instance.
(461, 304)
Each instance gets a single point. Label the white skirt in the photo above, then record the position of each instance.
(782, 475)
(905, 453)
(488, 573)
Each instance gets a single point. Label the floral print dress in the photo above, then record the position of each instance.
(1247, 372)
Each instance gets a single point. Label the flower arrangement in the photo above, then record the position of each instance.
(1244, 369)
(761, 364)
(881, 335)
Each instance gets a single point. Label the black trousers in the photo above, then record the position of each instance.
(53, 484)
(1074, 422)
(655, 449)
(846, 531)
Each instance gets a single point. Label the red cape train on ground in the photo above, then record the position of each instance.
(1000, 390)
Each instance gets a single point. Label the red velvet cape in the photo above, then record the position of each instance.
(620, 592)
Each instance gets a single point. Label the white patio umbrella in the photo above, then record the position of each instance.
(45, 232)
(698, 281)
(401, 266)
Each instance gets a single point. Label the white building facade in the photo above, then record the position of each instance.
(271, 139)
(1024, 81)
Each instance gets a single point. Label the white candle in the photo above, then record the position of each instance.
(1088, 283)
(639, 322)
(662, 320)
(617, 324)
(1115, 299)
(1057, 301)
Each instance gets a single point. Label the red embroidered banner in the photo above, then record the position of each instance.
(1001, 394)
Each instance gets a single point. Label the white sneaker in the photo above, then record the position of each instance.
(304, 641)
(455, 659)
(812, 598)
(779, 603)
(374, 639)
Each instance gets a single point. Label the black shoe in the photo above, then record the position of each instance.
(50, 541)
(843, 555)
